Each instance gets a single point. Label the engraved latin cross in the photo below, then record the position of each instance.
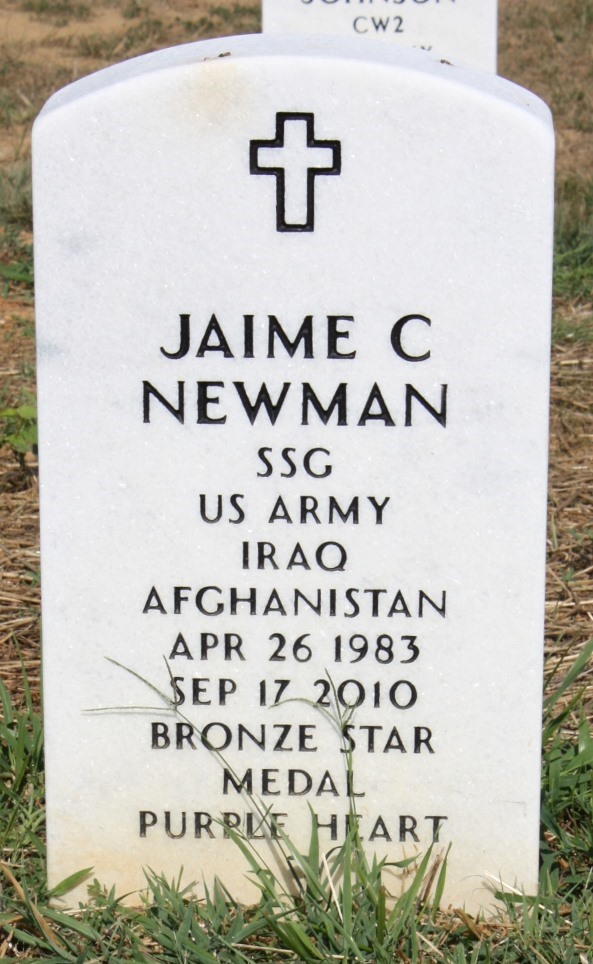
(295, 158)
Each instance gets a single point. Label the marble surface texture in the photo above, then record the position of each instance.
(293, 303)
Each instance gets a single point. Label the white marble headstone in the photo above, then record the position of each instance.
(293, 322)
(464, 31)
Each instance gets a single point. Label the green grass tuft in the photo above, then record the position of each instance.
(573, 261)
(58, 12)
(16, 208)
(340, 912)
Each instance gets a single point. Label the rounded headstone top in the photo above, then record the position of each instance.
(220, 52)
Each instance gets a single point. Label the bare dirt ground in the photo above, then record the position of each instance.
(544, 45)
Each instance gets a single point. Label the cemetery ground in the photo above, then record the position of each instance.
(547, 47)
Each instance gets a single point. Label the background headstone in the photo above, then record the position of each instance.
(464, 31)
(293, 324)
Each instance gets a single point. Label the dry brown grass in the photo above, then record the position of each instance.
(569, 605)
(544, 45)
